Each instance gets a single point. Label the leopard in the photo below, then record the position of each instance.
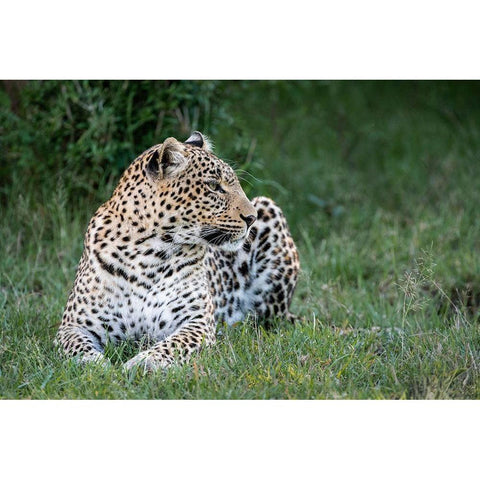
(177, 250)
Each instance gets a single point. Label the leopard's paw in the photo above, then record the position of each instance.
(146, 362)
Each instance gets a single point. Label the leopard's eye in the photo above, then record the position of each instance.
(215, 186)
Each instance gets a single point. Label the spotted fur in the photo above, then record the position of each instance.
(176, 249)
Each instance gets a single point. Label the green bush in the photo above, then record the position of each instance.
(84, 133)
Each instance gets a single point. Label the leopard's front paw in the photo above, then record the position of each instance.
(146, 361)
(93, 358)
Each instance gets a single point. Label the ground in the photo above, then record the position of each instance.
(380, 185)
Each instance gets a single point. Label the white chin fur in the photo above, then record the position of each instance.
(232, 246)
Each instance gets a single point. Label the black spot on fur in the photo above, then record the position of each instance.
(244, 269)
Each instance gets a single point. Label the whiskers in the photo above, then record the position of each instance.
(219, 237)
(246, 177)
(215, 236)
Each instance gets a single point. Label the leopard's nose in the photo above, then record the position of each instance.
(249, 219)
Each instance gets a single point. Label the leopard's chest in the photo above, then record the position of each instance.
(149, 295)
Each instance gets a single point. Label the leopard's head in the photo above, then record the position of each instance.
(187, 195)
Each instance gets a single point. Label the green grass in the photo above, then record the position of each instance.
(380, 183)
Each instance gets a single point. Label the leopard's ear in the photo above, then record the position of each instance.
(197, 139)
(168, 160)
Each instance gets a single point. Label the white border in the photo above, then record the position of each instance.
(242, 40)
(239, 439)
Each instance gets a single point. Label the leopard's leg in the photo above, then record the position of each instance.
(177, 347)
(261, 277)
(81, 344)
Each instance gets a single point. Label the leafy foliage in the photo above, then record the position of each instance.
(86, 132)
